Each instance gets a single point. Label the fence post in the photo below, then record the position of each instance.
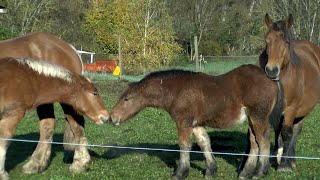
(119, 55)
(196, 53)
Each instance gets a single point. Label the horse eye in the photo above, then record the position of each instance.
(125, 98)
(95, 93)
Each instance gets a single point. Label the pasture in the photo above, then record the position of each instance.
(152, 128)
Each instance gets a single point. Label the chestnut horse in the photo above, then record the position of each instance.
(196, 100)
(27, 83)
(46, 47)
(296, 64)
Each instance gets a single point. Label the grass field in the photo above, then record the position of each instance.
(151, 128)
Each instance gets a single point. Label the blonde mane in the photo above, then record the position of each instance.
(47, 69)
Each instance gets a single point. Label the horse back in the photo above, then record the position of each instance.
(42, 46)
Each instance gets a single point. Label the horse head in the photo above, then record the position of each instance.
(278, 50)
(88, 101)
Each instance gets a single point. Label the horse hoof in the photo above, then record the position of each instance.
(284, 168)
(242, 178)
(210, 171)
(32, 168)
(259, 175)
(243, 175)
(174, 177)
(76, 168)
(4, 176)
(208, 177)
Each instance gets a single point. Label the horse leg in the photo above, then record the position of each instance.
(251, 163)
(7, 128)
(262, 134)
(74, 133)
(297, 127)
(288, 142)
(203, 141)
(278, 144)
(40, 157)
(185, 145)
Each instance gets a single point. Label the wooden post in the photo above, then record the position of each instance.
(119, 55)
(196, 53)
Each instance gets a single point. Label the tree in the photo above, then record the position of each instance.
(22, 15)
(145, 28)
(306, 17)
(195, 18)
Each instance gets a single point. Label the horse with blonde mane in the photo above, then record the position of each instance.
(26, 84)
(46, 47)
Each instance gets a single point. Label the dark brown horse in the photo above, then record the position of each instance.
(46, 47)
(196, 100)
(296, 64)
(26, 84)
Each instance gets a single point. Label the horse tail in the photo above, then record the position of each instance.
(275, 116)
(78, 54)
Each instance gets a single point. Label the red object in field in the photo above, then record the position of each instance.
(101, 66)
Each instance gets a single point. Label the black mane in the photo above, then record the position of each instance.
(166, 74)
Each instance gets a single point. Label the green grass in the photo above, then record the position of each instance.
(151, 128)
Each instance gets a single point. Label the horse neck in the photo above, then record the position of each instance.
(160, 98)
(54, 90)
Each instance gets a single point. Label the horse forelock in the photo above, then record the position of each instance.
(281, 27)
(47, 69)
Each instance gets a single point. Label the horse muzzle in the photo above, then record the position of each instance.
(272, 72)
(103, 120)
(115, 120)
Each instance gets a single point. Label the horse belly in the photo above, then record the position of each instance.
(229, 118)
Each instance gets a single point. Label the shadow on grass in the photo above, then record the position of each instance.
(221, 141)
(20, 152)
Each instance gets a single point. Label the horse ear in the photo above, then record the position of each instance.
(289, 21)
(268, 20)
(88, 79)
(83, 80)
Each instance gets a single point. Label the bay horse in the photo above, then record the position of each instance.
(296, 64)
(46, 47)
(25, 84)
(196, 100)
